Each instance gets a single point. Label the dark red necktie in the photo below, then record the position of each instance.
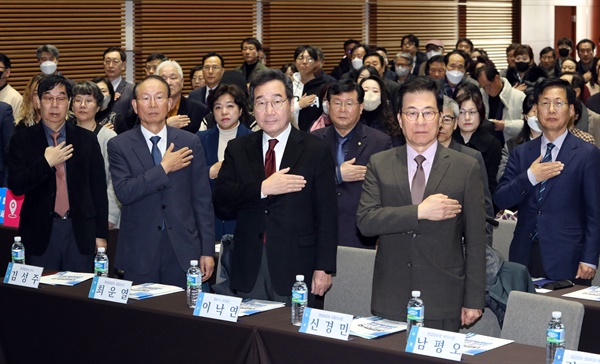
(270, 164)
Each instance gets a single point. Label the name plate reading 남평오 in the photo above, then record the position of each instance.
(329, 324)
(218, 307)
(110, 289)
(436, 343)
(23, 275)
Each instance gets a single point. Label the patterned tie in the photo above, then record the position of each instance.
(547, 158)
(418, 182)
(270, 164)
(155, 151)
(61, 203)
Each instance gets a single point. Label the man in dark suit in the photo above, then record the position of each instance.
(351, 144)
(60, 169)
(7, 124)
(426, 204)
(185, 114)
(285, 207)
(213, 67)
(554, 179)
(115, 61)
(160, 177)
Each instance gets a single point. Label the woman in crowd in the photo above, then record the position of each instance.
(289, 69)
(197, 78)
(30, 108)
(525, 75)
(307, 87)
(107, 117)
(86, 102)
(377, 110)
(364, 72)
(227, 103)
(568, 65)
(594, 84)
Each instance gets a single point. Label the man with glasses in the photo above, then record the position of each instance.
(212, 69)
(280, 184)
(59, 167)
(351, 144)
(554, 181)
(586, 50)
(425, 202)
(115, 59)
(160, 177)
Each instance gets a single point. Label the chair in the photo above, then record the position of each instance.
(486, 325)
(527, 317)
(503, 236)
(351, 286)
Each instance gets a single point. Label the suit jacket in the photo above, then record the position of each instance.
(149, 197)
(195, 110)
(30, 174)
(421, 254)
(199, 95)
(123, 104)
(301, 227)
(568, 219)
(7, 123)
(242, 69)
(364, 142)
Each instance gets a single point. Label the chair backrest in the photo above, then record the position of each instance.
(503, 236)
(487, 325)
(351, 288)
(528, 314)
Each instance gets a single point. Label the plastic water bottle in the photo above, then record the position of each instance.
(101, 263)
(299, 300)
(18, 251)
(194, 283)
(415, 312)
(555, 336)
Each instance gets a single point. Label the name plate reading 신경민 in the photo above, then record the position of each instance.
(110, 289)
(23, 275)
(218, 307)
(329, 324)
(563, 356)
(436, 343)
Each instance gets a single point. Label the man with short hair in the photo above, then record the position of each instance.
(376, 61)
(410, 44)
(425, 202)
(404, 67)
(565, 46)
(320, 64)
(185, 113)
(60, 168)
(152, 62)
(47, 56)
(554, 181)
(251, 65)
(212, 68)
(586, 50)
(345, 64)
(7, 93)
(115, 59)
(510, 58)
(351, 144)
(388, 73)
(280, 184)
(456, 68)
(160, 177)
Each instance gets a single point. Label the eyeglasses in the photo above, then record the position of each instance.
(558, 105)
(61, 100)
(447, 120)
(78, 101)
(276, 104)
(159, 99)
(471, 112)
(339, 104)
(114, 61)
(305, 59)
(413, 115)
(213, 68)
(198, 79)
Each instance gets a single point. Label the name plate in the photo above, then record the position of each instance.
(436, 343)
(110, 289)
(218, 307)
(563, 356)
(23, 275)
(329, 324)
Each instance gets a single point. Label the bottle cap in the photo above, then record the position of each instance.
(101, 250)
(556, 314)
(416, 293)
(17, 238)
(300, 278)
(193, 262)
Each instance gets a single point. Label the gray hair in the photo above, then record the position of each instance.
(406, 56)
(47, 48)
(449, 103)
(170, 63)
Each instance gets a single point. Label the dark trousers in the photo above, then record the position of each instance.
(536, 266)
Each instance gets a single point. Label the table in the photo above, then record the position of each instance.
(33, 323)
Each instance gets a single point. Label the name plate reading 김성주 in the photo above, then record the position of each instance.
(218, 307)
(110, 289)
(436, 343)
(329, 324)
(23, 275)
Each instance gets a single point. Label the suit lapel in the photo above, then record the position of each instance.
(565, 155)
(441, 162)
(255, 156)
(357, 143)
(293, 149)
(140, 148)
(329, 137)
(400, 171)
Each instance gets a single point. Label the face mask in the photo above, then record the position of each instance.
(454, 77)
(402, 71)
(48, 67)
(326, 107)
(105, 103)
(433, 54)
(357, 63)
(522, 66)
(534, 124)
(371, 101)
(564, 52)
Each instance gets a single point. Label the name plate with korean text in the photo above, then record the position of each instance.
(23, 275)
(329, 324)
(218, 307)
(563, 356)
(436, 343)
(110, 289)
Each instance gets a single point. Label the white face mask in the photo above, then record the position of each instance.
(454, 77)
(431, 54)
(371, 101)
(357, 63)
(48, 67)
(105, 102)
(402, 71)
(326, 107)
(534, 124)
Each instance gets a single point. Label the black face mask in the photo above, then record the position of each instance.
(522, 66)
(564, 52)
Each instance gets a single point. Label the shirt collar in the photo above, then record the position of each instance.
(283, 136)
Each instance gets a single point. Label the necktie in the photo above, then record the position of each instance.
(340, 156)
(418, 182)
(156, 155)
(270, 165)
(61, 203)
(547, 158)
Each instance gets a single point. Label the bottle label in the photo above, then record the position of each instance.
(18, 255)
(299, 296)
(555, 336)
(101, 267)
(416, 313)
(193, 280)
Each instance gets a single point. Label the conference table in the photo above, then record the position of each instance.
(59, 324)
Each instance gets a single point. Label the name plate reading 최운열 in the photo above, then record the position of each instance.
(329, 324)
(110, 289)
(563, 356)
(436, 343)
(218, 307)
(23, 275)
